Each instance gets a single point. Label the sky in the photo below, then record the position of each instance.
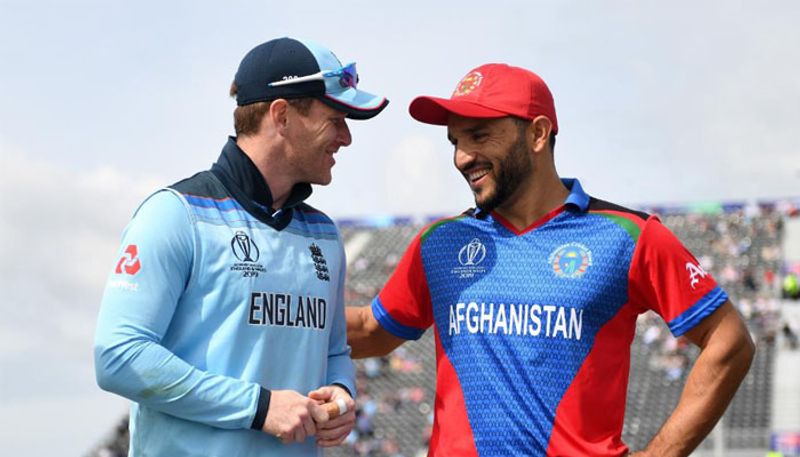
(103, 102)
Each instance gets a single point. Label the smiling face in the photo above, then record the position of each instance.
(314, 138)
(493, 156)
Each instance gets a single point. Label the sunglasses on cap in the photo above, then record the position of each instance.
(348, 77)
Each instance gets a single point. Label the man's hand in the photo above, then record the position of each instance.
(292, 417)
(333, 432)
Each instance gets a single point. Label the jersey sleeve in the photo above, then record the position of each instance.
(666, 278)
(140, 298)
(340, 365)
(403, 307)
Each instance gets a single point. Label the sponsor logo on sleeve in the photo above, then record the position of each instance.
(129, 263)
(696, 273)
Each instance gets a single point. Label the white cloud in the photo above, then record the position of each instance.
(58, 241)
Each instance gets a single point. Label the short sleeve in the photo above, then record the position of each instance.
(666, 278)
(403, 307)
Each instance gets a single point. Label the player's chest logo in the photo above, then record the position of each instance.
(246, 251)
(570, 260)
(470, 257)
(320, 264)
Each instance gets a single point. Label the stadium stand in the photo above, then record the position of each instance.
(740, 246)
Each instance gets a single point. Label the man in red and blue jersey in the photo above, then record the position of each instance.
(534, 295)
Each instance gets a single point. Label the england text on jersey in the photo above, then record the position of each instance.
(267, 308)
(551, 321)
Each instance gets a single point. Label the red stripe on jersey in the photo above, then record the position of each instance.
(452, 434)
(591, 413)
(538, 223)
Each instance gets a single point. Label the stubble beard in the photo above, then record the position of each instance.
(512, 171)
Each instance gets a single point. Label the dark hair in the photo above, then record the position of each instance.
(247, 118)
(523, 124)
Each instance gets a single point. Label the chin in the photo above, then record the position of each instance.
(323, 181)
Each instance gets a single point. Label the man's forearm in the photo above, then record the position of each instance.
(709, 389)
(358, 335)
(365, 335)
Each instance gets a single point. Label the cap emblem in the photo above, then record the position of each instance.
(468, 84)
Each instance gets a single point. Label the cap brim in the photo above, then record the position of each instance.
(357, 104)
(436, 111)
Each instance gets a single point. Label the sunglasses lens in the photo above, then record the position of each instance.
(349, 76)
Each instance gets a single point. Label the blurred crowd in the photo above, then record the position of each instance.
(383, 401)
(740, 248)
(743, 251)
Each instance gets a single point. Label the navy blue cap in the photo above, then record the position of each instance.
(287, 58)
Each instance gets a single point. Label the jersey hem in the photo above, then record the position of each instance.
(699, 311)
(392, 326)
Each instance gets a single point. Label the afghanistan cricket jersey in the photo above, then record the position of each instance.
(214, 299)
(533, 328)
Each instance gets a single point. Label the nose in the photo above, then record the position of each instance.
(343, 134)
(463, 159)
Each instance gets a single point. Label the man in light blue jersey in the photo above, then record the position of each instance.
(223, 319)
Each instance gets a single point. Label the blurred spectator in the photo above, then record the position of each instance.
(791, 288)
(790, 331)
(742, 249)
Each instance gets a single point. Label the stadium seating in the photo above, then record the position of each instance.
(396, 393)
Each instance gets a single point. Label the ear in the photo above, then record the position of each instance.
(539, 133)
(278, 115)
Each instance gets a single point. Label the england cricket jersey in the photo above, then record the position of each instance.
(214, 301)
(533, 328)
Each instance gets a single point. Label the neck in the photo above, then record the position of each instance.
(268, 159)
(541, 194)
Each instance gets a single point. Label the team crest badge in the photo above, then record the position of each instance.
(570, 260)
(468, 84)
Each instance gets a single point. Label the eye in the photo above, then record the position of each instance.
(479, 137)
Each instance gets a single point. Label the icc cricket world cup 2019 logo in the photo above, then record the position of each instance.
(472, 253)
(246, 251)
(470, 256)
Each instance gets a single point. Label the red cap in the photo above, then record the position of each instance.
(490, 91)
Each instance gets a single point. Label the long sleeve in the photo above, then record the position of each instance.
(138, 308)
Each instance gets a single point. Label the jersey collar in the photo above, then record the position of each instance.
(577, 198)
(247, 185)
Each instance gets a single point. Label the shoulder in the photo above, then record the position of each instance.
(603, 207)
(311, 214)
(631, 221)
(163, 206)
(310, 222)
(470, 214)
(203, 184)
